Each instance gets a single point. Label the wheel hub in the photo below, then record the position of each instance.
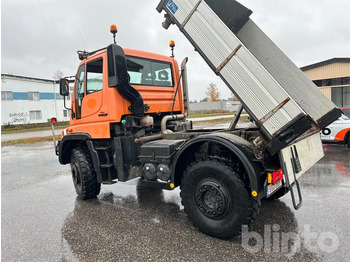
(75, 175)
(212, 199)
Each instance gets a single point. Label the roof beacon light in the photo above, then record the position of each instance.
(172, 45)
(114, 30)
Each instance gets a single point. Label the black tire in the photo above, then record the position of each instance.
(216, 200)
(83, 174)
(348, 142)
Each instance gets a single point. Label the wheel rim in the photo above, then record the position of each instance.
(212, 199)
(76, 176)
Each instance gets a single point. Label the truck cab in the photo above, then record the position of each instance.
(97, 106)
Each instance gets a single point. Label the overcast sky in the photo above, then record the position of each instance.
(39, 37)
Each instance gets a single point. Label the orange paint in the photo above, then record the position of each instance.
(95, 130)
(340, 136)
(91, 103)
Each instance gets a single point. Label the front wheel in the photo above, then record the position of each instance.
(83, 174)
(216, 200)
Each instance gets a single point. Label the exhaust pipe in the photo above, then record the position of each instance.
(185, 86)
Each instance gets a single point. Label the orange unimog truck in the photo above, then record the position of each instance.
(128, 120)
(128, 110)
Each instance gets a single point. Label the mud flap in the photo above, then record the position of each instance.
(297, 158)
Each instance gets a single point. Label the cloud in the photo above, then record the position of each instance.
(42, 36)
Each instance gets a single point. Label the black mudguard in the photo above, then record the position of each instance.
(240, 147)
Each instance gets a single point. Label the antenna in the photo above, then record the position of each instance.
(82, 38)
(114, 30)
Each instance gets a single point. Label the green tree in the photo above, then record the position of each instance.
(212, 93)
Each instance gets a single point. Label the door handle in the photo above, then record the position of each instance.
(103, 114)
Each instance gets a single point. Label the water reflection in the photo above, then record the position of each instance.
(152, 226)
(331, 170)
(339, 155)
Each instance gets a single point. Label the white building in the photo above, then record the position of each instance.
(27, 100)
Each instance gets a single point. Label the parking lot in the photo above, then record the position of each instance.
(42, 220)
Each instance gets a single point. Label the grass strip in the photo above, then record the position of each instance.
(25, 130)
(208, 115)
(8, 129)
(49, 138)
(29, 140)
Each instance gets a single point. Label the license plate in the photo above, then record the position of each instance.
(270, 189)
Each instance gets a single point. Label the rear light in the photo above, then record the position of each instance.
(274, 177)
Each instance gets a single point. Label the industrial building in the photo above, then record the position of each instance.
(332, 76)
(27, 100)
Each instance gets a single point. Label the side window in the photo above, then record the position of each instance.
(146, 72)
(79, 90)
(6, 95)
(162, 72)
(35, 115)
(94, 76)
(33, 96)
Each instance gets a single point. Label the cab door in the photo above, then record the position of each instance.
(88, 89)
(79, 92)
(335, 128)
(92, 101)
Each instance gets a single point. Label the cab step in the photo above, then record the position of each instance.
(108, 165)
(102, 148)
(109, 182)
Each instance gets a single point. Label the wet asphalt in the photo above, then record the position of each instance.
(42, 220)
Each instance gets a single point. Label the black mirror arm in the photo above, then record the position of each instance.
(64, 103)
(71, 80)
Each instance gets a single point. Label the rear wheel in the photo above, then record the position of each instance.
(216, 200)
(348, 142)
(83, 174)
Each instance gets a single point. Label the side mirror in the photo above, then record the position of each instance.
(64, 87)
